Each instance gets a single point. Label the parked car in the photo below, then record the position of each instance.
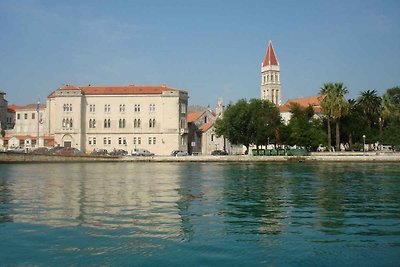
(40, 151)
(219, 153)
(16, 150)
(68, 151)
(178, 153)
(53, 150)
(119, 152)
(100, 152)
(141, 152)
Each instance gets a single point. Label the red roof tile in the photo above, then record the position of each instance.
(270, 57)
(118, 90)
(303, 102)
(206, 126)
(306, 101)
(30, 107)
(192, 116)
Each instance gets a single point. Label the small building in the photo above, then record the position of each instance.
(30, 121)
(303, 102)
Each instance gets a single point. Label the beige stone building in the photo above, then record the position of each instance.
(119, 117)
(28, 126)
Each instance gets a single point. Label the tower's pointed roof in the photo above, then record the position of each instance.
(270, 57)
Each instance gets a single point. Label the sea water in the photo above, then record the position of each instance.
(200, 214)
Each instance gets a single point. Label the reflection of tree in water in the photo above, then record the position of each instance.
(254, 198)
(189, 191)
(354, 192)
(5, 196)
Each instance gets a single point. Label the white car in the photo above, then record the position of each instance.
(141, 152)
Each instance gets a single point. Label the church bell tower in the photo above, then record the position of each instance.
(270, 77)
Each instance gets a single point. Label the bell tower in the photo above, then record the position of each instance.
(270, 77)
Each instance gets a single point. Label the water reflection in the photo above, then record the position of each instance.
(182, 201)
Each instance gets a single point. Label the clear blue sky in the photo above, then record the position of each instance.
(209, 48)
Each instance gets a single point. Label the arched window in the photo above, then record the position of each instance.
(64, 123)
(90, 123)
(150, 123)
(120, 123)
(134, 123)
(109, 123)
(138, 123)
(105, 123)
(154, 122)
(94, 123)
(123, 122)
(70, 123)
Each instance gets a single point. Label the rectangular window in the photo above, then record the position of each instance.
(33, 116)
(105, 140)
(124, 141)
(26, 116)
(154, 140)
(149, 140)
(134, 140)
(183, 108)
(139, 140)
(18, 116)
(109, 140)
(90, 140)
(119, 141)
(94, 140)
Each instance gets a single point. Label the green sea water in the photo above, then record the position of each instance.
(200, 214)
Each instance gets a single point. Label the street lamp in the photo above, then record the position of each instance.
(363, 142)
(38, 122)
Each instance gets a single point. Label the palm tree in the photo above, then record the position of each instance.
(370, 104)
(326, 107)
(334, 105)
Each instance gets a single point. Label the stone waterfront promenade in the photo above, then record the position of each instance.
(314, 157)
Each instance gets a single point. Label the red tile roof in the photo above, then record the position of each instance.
(117, 90)
(270, 57)
(306, 101)
(28, 107)
(303, 102)
(12, 107)
(192, 116)
(206, 126)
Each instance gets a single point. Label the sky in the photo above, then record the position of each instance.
(211, 49)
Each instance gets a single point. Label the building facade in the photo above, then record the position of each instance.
(119, 117)
(270, 77)
(3, 111)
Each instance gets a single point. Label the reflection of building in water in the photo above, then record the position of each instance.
(100, 196)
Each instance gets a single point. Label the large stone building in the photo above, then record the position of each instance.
(270, 77)
(119, 117)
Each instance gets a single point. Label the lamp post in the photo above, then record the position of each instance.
(38, 122)
(363, 142)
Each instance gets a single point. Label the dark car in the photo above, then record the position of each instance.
(68, 151)
(100, 152)
(53, 150)
(119, 152)
(40, 151)
(219, 153)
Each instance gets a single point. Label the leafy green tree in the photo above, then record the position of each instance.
(334, 106)
(370, 104)
(235, 125)
(303, 129)
(354, 124)
(249, 122)
(265, 121)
